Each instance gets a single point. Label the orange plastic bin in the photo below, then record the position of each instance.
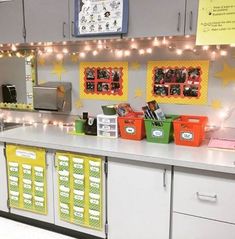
(132, 127)
(189, 130)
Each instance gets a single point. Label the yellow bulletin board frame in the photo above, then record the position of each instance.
(201, 99)
(216, 21)
(104, 96)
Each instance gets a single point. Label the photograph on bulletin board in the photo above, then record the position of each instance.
(95, 17)
(178, 82)
(104, 80)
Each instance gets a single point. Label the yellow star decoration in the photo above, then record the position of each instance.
(41, 61)
(79, 104)
(135, 65)
(138, 92)
(227, 74)
(74, 58)
(216, 104)
(58, 69)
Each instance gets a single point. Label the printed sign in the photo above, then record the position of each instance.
(101, 17)
(158, 133)
(186, 136)
(216, 22)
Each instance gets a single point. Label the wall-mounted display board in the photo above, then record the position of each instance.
(104, 80)
(95, 17)
(80, 189)
(178, 82)
(216, 22)
(27, 186)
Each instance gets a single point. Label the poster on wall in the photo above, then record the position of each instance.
(216, 22)
(96, 17)
(177, 82)
(104, 80)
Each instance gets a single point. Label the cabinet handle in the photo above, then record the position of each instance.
(72, 29)
(206, 197)
(63, 29)
(191, 21)
(164, 178)
(179, 21)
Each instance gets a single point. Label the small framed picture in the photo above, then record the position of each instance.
(95, 17)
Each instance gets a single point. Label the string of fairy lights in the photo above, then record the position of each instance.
(117, 48)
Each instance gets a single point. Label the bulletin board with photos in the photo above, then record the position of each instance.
(104, 79)
(95, 17)
(183, 82)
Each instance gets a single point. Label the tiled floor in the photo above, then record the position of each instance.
(15, 230)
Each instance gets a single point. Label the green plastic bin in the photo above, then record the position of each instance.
(158, 131)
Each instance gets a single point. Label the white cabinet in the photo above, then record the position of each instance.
(3, 180)
(203, 205)
(11, 22)
(47, 20)
(156, 18)
(191, 15)
(162, 18)
(138, 200)
(205, 194)
(49, 217)
(189, 227)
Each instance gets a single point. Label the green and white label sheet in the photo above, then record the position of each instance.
(80, 189)
(27, 186)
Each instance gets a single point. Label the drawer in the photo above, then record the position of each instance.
(188, 227)
(205, 194)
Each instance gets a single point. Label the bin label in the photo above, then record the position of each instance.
(186, 136)
(157, 133)
(130, 130)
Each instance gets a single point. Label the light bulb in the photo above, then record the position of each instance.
(82, 54)
(156, 42)
(95, 53)
(149, 50)
(65, 51)
(87, 48)
(223, 53)
(141, 51)
(59, 56)
(179, 51)
(127, 53)
(205, 48)
(13, 47)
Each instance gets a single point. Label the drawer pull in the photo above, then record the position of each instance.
(206, 197)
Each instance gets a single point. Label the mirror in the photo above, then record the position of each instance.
(17, 78)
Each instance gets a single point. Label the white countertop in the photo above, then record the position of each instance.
(52, 137)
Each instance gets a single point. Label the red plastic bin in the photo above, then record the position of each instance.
(132, 127)
(189, 130)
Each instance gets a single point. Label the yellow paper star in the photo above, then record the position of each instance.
(58, 69)
(135, 65)
(41, 61)
(138, 92)
(74, 58)
(79, 104)
(227, 74)
(216, 104)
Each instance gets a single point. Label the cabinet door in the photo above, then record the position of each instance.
(49, 217)
(138, 200)
(191, 17)
(11, 22)
(188, 227)
(156, 18)
(47, 20)
(3, 180)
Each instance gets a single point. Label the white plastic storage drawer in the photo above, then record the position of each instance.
(205, 194)
(188, 227)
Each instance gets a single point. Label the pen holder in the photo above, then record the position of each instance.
(80, 126)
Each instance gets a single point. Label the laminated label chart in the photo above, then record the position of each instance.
(216, 22)
(27, 178)
(80, 189)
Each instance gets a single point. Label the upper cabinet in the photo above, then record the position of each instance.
(162, 18)
(191, 17)
(47, 20)
(156, 18)
(11, 21)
